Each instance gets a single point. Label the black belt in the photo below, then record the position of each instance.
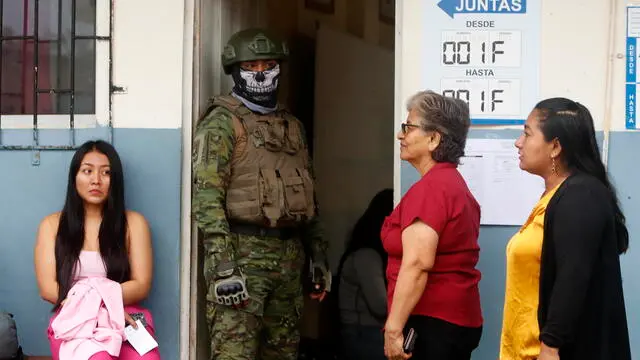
(282, 233)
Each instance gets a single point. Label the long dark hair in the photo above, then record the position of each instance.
(571, 123)
(113, 229)
(366, 232)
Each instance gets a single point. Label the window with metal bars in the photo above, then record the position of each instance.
(55, 67)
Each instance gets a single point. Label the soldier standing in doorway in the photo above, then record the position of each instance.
(255, 208)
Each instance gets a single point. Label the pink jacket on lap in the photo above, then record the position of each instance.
(91, 320)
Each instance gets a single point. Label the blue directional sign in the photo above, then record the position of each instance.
(452, 7)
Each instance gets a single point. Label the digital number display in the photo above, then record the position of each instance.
(497, 97)
(481, 48)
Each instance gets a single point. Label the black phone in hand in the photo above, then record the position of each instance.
(409, 341)
(139, 316)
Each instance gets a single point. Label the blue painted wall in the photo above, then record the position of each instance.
(152, 165)
(625, 172)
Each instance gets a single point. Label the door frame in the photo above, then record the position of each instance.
(190, 64)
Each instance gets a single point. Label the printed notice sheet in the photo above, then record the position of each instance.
(506, 193)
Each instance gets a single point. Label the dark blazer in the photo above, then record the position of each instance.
(581, 309)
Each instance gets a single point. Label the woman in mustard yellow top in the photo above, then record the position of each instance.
(520, 331)
(564, 297)
(519, 340)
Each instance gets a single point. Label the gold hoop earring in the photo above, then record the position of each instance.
(554, 169)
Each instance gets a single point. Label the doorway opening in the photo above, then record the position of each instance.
(339, 81)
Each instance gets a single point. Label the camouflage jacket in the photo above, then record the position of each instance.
(212, 154)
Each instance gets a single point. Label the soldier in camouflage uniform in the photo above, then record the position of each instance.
(255, 208)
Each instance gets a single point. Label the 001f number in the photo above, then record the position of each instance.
(485, 101)
(459, 52)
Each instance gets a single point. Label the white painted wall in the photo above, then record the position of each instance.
(573, 64)
(148, 62)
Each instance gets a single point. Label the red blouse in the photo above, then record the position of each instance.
(442, 200)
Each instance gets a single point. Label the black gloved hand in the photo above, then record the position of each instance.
(230, 285)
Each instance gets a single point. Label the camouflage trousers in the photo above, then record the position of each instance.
(267, 328)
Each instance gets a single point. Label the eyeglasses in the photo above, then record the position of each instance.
(404, 127)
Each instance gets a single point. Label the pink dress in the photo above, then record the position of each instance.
(92, 266)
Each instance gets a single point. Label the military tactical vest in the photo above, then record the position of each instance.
(270, 183)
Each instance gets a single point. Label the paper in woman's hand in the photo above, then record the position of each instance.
(140, 338)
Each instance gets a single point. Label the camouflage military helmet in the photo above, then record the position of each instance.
(253, 44)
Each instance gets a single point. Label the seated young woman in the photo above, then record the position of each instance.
(94, 262)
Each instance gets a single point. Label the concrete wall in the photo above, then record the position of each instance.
(574, 63)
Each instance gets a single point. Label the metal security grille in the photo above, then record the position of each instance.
(48, 64)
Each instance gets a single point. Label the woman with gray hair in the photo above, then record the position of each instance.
(432, 239)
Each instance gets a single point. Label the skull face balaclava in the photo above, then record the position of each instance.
(258, 87)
